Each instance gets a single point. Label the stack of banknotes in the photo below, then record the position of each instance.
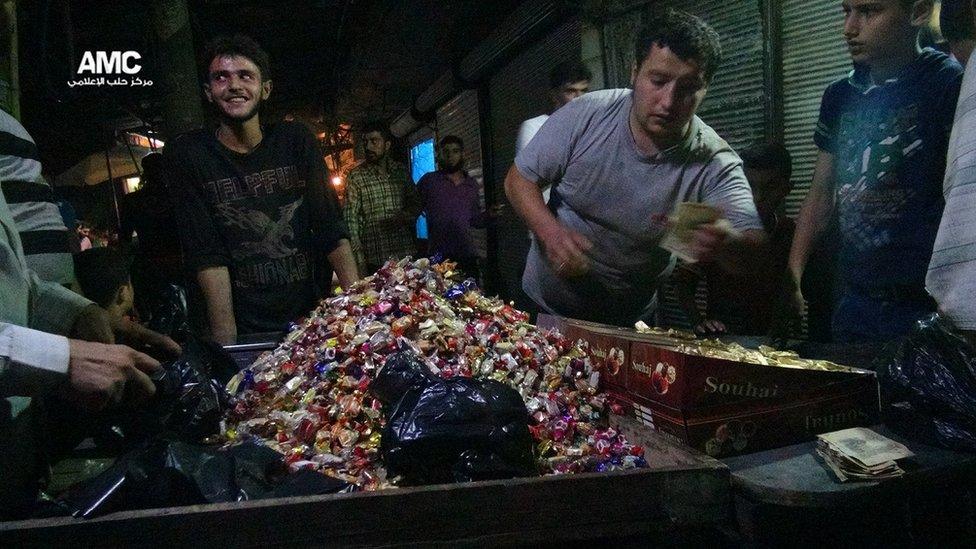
(860, 454)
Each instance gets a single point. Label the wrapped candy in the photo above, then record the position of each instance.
(310, 398)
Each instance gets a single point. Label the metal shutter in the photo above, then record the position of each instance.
(736, 104)
(517, 91)
(459, 117)
(420, 134)
(814, 55)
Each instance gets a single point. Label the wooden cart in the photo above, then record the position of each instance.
(682, 496)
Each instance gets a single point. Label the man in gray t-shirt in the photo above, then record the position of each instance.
(620, 161)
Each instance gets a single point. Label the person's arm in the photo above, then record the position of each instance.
(565, 248)
(331, 235)
(412, 204)
(352, 214)
(344, 264)
(745, 248)
(814, 218)
(54, 308)
(215, 286)
(93, 375)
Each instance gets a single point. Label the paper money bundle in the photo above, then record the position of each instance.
(860, 454)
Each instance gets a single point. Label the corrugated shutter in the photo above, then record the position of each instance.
(814, 55)
(420, 134)
(736, 104)
(517, 92)
(459, 117)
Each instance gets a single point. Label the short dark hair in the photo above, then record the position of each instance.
(378, 126)
(769, 155)
(448, 139)
(956, 20)
(152, 163)
(568, 72)
(237, 45)
(688, 36)
(101, 272)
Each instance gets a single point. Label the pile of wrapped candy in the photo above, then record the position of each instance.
(309, 398)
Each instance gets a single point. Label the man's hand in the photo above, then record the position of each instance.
(140, 337)
(707, 241)
(566, 250)
(102, 375)
(710, 327)
(788, 311)
(94, 324)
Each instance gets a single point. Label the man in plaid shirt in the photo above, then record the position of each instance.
(381, 203)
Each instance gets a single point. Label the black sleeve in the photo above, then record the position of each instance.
(202, 245)
(324, 211)
(825, 134)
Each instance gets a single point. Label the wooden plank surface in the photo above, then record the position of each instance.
(681, 489)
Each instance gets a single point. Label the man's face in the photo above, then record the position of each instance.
(236, 88)
(569, 91)
(667, 91)
(376, 146)
(877, 30)
(769, 188)
(452, 157)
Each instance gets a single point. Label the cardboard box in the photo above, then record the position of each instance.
(723, 407)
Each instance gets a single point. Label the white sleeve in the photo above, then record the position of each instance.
(526, 132)
(951, 278)
(30, 360)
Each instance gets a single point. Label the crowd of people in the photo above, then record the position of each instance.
(263, 236)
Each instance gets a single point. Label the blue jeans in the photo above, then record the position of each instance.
(862, 319)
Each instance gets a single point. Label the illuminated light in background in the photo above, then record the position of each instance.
(336, 181)
(132, 184)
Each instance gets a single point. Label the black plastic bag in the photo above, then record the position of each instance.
(928, 386)
(165, 473)
(168, 313)
(454, 430)
(188, 405)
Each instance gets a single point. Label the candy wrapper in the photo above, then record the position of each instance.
(311, 398)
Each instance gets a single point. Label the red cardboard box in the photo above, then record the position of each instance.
(723, 407)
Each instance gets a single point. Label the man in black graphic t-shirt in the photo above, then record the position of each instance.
(254, 205)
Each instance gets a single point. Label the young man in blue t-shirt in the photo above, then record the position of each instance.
(882, 138)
